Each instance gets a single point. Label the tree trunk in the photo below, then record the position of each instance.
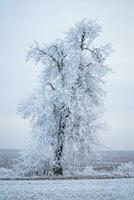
(58, 170)
(64, 113)
(58, 153)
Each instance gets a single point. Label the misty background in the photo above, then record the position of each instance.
(22, 22)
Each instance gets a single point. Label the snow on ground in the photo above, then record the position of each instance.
(123, 170)
(108, 189)
(4, 172)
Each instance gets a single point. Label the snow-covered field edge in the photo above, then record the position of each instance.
(125, 170)
(64, 178)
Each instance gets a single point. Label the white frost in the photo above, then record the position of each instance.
(65, 110)
(112, 189)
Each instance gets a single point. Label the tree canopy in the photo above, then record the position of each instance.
(65, 109)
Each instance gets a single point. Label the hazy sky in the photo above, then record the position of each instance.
(22, 22)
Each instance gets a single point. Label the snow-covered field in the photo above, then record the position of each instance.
(114, 164)
(125, 170)
(108, 189)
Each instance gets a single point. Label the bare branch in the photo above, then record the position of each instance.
(92, 51)
(53, 88)
(82, 40)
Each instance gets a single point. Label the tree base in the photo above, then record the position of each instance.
(58, 170)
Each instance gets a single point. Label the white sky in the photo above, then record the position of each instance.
(22, 22)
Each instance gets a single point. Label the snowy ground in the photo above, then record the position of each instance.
(109, 189)
(124, 170)
(114, 164)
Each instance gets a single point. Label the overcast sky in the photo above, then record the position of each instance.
(22, 22)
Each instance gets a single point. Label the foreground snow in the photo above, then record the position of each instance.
(119, 189)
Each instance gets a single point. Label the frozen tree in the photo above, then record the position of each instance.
(66, 108)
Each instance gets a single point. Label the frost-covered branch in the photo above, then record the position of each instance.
(66, 109)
